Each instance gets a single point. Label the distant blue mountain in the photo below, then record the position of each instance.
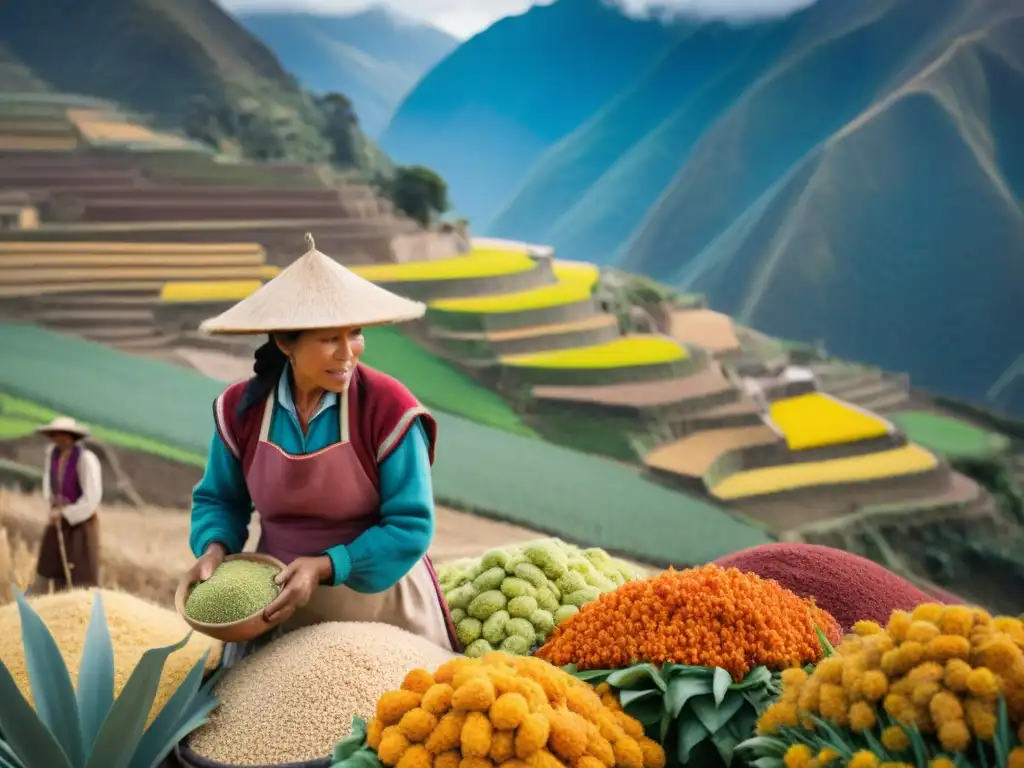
(485, 113)
(853, 172)
(374, 57)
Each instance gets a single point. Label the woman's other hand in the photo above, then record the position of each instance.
(203, 568)
(299, 579)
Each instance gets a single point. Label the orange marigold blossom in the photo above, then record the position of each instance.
(949, 697)
(707, 616)
(512, 711)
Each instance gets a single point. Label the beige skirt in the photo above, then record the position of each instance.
(413, 604)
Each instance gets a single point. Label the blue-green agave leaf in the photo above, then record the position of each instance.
(198, 718)
(180, 708)
(720, 684)
(769, 746)
(757, 677)
(23, 731)
(8, 756)
(121, 731)
(768, 762)
(691, 733)
(52, 691)
(1003, 738)
(95, 675)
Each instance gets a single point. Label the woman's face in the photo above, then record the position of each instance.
(325, 358)
(62, 440)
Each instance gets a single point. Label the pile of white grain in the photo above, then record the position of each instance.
(294, 699)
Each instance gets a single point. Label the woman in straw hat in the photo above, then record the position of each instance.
(73, 489)
(334, 456)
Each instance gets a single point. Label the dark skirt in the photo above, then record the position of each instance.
(82, 545)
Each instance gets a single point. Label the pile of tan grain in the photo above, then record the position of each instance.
(293, 700)
(135, 626)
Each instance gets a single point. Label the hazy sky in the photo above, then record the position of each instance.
(464, 18)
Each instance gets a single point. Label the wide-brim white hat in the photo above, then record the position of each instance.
(64, 424)
(315, 291)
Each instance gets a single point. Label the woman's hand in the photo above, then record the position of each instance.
(299, 579)
(203, 568)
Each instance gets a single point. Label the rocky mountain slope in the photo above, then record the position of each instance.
(849, 172)
(374, 56)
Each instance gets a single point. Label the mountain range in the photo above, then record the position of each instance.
(374, 56)
(852, 172)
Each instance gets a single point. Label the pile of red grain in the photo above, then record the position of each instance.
(848, 586)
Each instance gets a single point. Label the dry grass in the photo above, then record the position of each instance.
(145, 551)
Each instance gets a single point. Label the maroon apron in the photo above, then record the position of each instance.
(308, 504)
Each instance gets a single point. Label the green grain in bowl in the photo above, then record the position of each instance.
(236, 590)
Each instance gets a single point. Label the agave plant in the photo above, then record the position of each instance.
(90, 728)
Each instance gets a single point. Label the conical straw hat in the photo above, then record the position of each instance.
(314, 292)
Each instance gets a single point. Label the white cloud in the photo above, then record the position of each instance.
(464, 18)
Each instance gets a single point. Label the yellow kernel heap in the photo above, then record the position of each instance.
(940, 669)
(509, 711)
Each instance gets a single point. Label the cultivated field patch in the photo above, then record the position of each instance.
(817, 420)
(480, 262)
(575, 283)
(622, 353)
(905, 460)
(950, 436)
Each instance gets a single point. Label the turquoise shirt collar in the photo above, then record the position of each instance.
(286, 401)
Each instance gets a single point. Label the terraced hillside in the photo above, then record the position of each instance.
(149, 406)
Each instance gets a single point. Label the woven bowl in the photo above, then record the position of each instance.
(240, 631)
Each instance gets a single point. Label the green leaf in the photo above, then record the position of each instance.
(691, 733)
(756, 678)
(180, 708)
(767, 746)
(681, 690)
(52, 691)
(725, 742)
(646, 706)
(356, 739)
(768, 762)
(1003, 736)
(23, 731)
(917, 744)
(589, 675)
(198, 718)
(685, 670)
(713, 717)
(834, 737)
(720, 684)
(826, 646)
(877, 747)
(364, 758)
(8, 755)
(95, 675)
(122, 729)
(639, 676)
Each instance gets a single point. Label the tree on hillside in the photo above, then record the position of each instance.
(418, 192)
(340, 126)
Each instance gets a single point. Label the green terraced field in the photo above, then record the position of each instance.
(157, 407)
(949, 436)
(438, 385)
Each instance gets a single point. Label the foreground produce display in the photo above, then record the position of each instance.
(695, 654)
(940, 687)
(711, 667)
(510, 599)
(91, 726)
(237, 590)
(500, 709)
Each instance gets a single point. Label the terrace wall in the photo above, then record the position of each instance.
(502, 321)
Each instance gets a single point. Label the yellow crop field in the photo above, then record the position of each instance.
(906, 460)
(207, 290)
(624, 352)
(574, 283)
(480, 262)
(815, 420)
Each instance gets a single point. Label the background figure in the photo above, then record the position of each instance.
(73, 488)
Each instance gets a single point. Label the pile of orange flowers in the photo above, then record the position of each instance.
(518, 712)
(707, 616)
(940, 669)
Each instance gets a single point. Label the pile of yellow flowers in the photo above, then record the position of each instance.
(509, 711)
(943, 672)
